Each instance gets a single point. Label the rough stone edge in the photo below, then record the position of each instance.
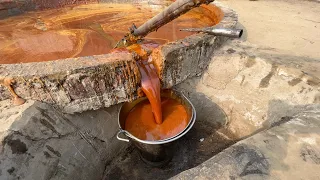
(191, 56)
(85, 83)
(76, 84)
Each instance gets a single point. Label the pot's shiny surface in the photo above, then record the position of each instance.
(126, 108)
(155, 153)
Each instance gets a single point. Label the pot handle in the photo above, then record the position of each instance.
(120, 138)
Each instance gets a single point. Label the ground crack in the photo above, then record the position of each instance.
(41, 139)
(282, 121)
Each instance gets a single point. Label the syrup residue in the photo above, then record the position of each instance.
(8, 82)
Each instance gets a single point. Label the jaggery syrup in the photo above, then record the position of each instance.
(86, 30)
(140, 121)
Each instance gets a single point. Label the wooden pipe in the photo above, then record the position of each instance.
(170, 13)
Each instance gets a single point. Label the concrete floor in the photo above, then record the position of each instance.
(289, 26)
(286, 27)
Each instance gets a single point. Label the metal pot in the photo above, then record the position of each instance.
(155, 153)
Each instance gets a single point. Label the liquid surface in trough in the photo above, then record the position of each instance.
(141, 124)
(86, 30)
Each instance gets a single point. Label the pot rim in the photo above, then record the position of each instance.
(163, 141)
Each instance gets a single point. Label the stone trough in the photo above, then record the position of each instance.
(257, 114)
(84, 83)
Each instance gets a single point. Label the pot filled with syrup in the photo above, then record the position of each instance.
(154, 141)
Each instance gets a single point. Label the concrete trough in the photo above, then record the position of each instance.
(92, 82)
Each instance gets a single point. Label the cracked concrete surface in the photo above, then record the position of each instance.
(252, 88)
(289, 150)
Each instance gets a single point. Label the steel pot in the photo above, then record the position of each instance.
(155, 153)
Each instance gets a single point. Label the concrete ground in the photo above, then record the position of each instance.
(289, 26)
(288, 31)
(285, 33)
(287, 151)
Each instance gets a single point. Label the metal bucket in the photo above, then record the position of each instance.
(155, 153)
